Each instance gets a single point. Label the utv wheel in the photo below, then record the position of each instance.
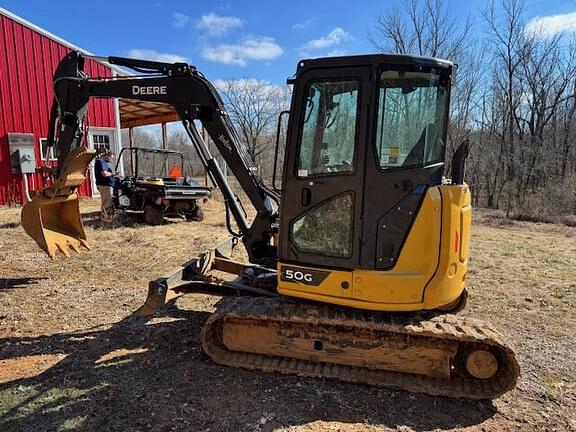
(153, 214)
(195, 215)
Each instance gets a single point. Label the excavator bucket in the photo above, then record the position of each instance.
(55, 224)
(52, 218)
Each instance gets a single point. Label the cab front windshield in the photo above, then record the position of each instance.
(411, 119)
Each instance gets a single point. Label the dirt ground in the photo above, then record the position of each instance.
(73, 357)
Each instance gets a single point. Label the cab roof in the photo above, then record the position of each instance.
(372, 60)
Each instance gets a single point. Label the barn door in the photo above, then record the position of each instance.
(101, 139)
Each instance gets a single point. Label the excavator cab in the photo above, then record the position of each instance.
(366, 220)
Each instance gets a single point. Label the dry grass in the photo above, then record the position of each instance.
(78, 360)
(124, 257)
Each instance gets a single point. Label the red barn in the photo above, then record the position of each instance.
(28, 57)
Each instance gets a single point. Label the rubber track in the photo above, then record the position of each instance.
(443, 327)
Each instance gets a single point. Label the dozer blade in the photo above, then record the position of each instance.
(175, 282)
(154, 301)
(55, 224)
(52, 218)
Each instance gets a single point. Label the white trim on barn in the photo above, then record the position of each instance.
(118, 128)
(111, 145)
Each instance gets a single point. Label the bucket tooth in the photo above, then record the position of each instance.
(74, 247)
(64, 250)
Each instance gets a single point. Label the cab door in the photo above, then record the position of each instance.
(324, 169)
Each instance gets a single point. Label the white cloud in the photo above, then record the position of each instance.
(333, 38)
(304, 24)
(549, 26)
(180, 20)
(263, 48)
(264, 88)
(148, 54)
(338, 52)
(216, 25)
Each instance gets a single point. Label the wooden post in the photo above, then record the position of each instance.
(164, 140)
(164, 136)
(131, 140)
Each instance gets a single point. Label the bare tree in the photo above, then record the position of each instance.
(253, 106)
(534, 76)
(178, 140)
(567, 121)
(141, 137)
(429, 28)
(506, 38)
(421, 27)
(514, 98)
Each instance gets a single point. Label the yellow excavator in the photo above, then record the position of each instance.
(354, 259)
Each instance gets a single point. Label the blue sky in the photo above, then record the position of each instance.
(238, 39)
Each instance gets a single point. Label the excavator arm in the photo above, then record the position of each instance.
(52, 218)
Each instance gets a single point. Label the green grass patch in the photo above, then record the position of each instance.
(555, 384)
(19, 402)
(73, 423)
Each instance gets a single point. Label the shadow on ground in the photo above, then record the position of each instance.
(7, 284)
(141, 375)
(121, 219)
(9, 225)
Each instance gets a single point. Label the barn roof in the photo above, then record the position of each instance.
(140, 113)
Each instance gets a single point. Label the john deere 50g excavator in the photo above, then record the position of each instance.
(353, 261)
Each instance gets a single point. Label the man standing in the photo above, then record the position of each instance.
(105, 183)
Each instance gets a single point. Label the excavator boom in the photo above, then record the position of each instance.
(53, 219)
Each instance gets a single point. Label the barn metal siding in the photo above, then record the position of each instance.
(27, 62)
